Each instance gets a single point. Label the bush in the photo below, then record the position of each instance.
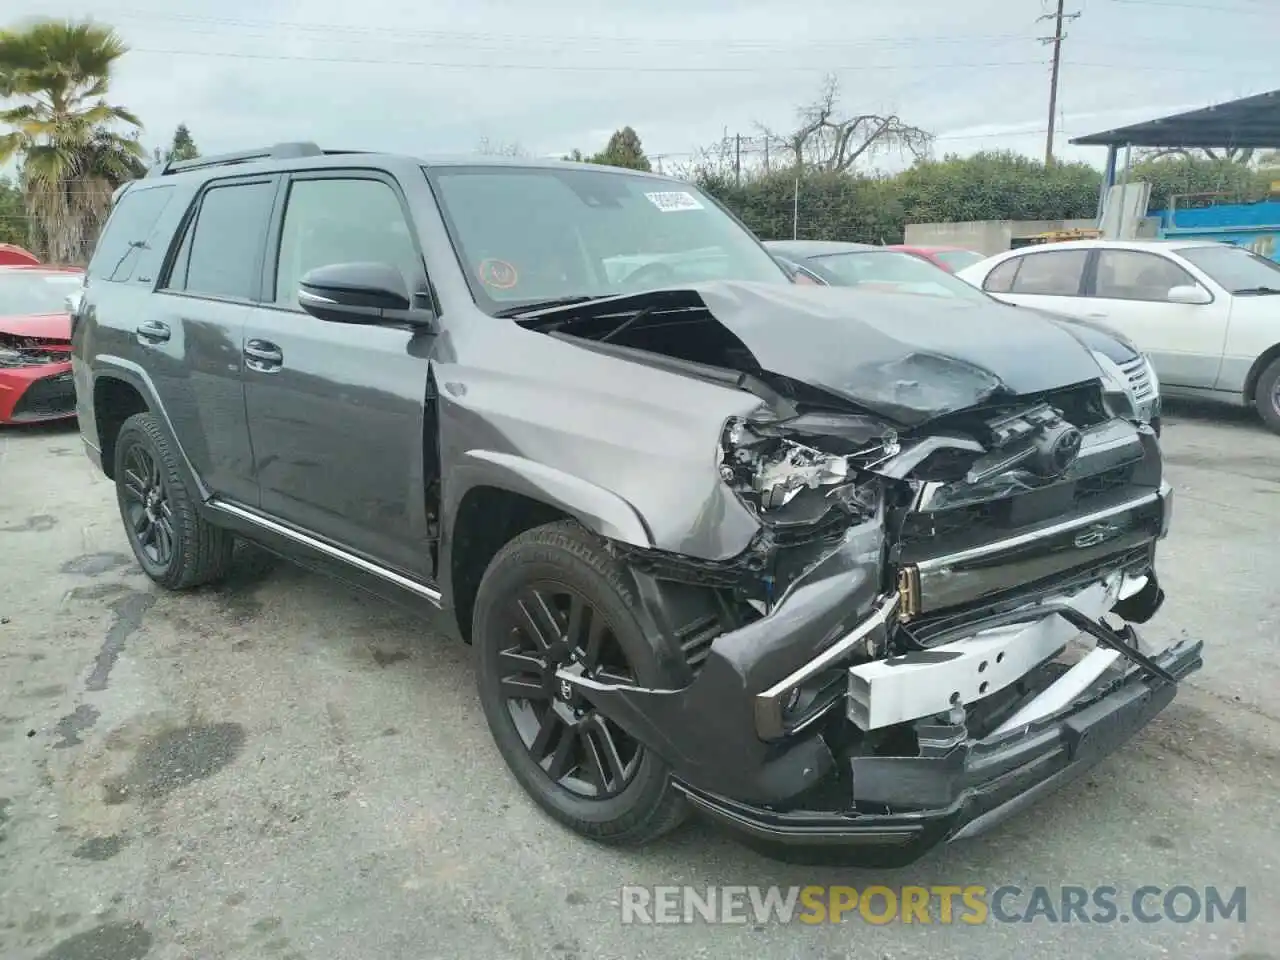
(985, 186)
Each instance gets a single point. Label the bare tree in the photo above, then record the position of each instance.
(1240, 155)
(829, 140)
(490, 149)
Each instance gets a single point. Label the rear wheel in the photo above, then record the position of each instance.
(552, 599)
(1266, 396)
(173, 544)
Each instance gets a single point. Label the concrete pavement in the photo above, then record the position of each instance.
(282, 768)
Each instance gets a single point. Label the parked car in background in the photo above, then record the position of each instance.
(35, 343)
(950, 259)
(12, 255)
(1207, 314)
(1127, 373)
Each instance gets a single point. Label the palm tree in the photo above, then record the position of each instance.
(63, 131)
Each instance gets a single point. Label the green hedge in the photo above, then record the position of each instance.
(986, 186)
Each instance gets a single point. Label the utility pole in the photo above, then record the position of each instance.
(1058, 19)
(737, 159)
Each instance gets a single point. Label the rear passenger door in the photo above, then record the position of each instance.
(336, 410)
(191, 338)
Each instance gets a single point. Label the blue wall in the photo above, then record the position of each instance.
(1252, 225)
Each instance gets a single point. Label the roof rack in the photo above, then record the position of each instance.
(280, 151)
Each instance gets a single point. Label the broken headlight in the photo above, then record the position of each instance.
(789, 481)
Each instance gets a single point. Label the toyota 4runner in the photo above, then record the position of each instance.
(844, 570)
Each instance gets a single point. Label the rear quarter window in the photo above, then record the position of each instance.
(128, 231)
(1000, 280)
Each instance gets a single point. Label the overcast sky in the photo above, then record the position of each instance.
(437, 77)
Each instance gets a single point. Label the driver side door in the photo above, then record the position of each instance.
(1129, 291)
(336, 410)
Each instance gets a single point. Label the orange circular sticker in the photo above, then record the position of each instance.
(498, 274)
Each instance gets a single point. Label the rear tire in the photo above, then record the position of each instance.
(1266, 396)
(174, 545)
(574, 762)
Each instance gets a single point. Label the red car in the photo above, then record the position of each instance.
(35, 343)
(950, 259)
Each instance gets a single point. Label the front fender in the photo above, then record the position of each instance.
(596, 508)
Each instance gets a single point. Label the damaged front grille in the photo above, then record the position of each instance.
(1101, 484)
(16, 351)
(1040, 499)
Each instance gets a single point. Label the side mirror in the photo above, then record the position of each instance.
(359, 293)
(1192, 294)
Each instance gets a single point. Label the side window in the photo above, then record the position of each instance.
(219, 253)
(1055, 274)
(342, 221)
(1135, 275)
(127, 233)
(1000, 280)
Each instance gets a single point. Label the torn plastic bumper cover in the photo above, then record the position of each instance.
(742, 751)
(973, 785)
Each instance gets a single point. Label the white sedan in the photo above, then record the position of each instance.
(1207, 314)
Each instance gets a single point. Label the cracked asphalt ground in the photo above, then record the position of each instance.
(282, 768)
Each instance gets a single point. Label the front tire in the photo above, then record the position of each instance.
(553, 598)
(1266, 396)
(174, 545)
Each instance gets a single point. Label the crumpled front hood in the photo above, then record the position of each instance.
(908, 358)
(52, 326)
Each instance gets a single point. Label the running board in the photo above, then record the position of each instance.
(429, 594)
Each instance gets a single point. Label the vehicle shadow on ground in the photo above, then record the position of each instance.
(1178, 411)
(43, 428)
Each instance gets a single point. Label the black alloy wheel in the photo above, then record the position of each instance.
(552, 627)
(146, 506)
(175, 546)
(553, 606)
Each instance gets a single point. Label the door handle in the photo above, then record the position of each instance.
(153, 331)
(263, 356)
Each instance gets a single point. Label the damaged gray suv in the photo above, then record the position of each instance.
(846, 571)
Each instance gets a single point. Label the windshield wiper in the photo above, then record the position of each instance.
(525, 309)
(1257, 292)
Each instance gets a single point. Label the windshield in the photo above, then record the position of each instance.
(30, 292)
(892, 271)
(532, 234)
(958, 259)
(1235, 268)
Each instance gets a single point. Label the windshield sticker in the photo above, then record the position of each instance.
(673, 201)
(498, 274)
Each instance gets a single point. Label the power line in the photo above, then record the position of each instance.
(578, 43)
(567, 67)
(329, 29)
(641, 68)
(1197, 6)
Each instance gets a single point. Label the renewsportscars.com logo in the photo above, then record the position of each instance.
(972, 904)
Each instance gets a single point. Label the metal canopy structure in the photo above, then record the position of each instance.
(1248, 122)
